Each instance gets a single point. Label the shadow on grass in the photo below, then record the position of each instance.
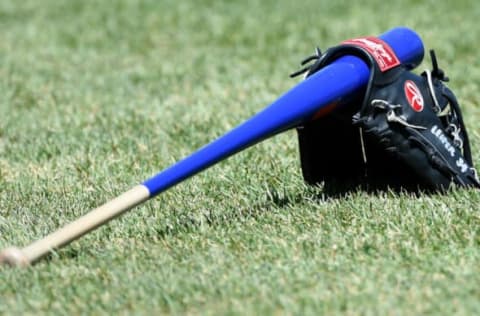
(274, 200)
(334, 190)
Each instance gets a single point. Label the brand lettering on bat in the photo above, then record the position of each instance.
(380, 51)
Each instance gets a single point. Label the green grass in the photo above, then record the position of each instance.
(96, 96)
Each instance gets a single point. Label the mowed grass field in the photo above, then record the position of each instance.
(96, 96)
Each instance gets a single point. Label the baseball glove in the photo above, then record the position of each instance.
(404, 131)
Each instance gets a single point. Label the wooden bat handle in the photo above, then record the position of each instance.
(76, 229)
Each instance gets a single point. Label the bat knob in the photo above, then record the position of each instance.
(14, 257)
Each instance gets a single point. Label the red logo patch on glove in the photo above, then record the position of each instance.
(414, 96)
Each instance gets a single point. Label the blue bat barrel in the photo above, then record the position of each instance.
(339, 81)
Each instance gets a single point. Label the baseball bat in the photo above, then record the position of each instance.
(335, 84)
